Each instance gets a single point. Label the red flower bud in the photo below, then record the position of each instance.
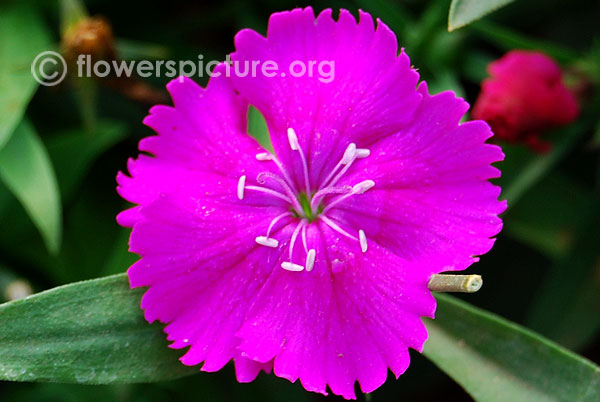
(524, 96)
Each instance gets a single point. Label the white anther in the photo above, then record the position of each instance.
(290, 266)
(267, 241)
(310, 259)
(349, 154)
(264, 156)
(362, 153)
(293, 138)
(363, 186)
(362, 238)
(241, 185)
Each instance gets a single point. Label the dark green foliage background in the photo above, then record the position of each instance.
(544, 271)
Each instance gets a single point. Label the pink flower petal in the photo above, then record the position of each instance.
(372, 94)
(431, 189)
(333, 329)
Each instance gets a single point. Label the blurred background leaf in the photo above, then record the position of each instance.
(26, 170)
(91, 332)
(463, 12)
(17, 51)
(497, 361)
(45, 339)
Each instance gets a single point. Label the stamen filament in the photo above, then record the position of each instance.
(304, 243)
(356, 189)
(328, 190)
(284, 173)
(346, 158)
(267, 191)
(275, 220)
(343, 171)
(294, 237)
(261, 179)
(335, 227)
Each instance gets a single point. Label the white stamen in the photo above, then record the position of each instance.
(267, 241)
(310, 259)
(362, 153)
(240, 188)
(363, 240)
(290, 266)
(264, 156)
(293, 139)
(363, 186)
(349, 154)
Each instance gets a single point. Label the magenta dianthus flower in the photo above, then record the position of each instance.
(312, 261)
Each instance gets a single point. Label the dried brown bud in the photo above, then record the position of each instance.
(90, 36)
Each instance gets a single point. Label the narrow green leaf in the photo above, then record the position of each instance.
(495, 360)
(17, 52)
(90, 332)
(27, 172)
(463, 12)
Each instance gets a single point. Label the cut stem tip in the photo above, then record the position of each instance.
(455, 283)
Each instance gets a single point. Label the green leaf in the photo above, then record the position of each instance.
(395, 14)
(567, 304)
(94, 332)
(22, 37)
(495, 360)
(463, 12)
(74, 151)
(27, 172)
(90, 332)
(129, 49)
(522, 170)
(507, 39)
(550, 230)
(71, 13)
(257, 128)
